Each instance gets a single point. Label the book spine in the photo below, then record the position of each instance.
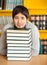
(22, 59)
(19, 48)
(19, 55)
(17, 38)
(13, 52)
(13, 44)
(16, 41)
(15, 34)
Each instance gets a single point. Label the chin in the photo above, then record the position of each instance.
(20, 27)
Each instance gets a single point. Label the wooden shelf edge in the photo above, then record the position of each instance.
(43, 31)
(43, 34)
(5, 12)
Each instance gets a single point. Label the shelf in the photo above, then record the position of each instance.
(5, 12)
(31, 12)
(43, 34)
(38, 11)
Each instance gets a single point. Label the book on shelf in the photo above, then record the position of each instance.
(44, 46)
(18, 44)
(44, 49)
(10, 4)
(1, 4)
(40, 21)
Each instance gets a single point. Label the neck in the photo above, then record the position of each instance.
(19, 28)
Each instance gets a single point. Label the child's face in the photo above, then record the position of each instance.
(20, 20)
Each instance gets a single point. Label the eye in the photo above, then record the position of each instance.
(16, 17)
(22, 17)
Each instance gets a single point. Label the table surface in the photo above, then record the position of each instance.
(36, 60)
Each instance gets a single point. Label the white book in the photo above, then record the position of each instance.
(18, 34)
(9, 44)
(18, 38)
(12, 51)
(21, 59)
(19, 55)
(17, 41)
(11, 30)
(19, 48)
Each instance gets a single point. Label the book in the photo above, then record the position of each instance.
(20, 34)
(21, 48)
(18, 41)
(12, 30)
(10, 4)
(1, 4)
(17, 38)
(18, 44)
(18, 51)
(14, 51)
(13, 44)
(19, 55)
(21, 59)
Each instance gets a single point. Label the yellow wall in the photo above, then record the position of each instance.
(36, 6)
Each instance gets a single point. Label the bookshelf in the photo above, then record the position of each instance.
(43, 33)
(39, 7)
(35, 8)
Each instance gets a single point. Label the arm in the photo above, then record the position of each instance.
(3, 45)
(3, 49)
(35, 41)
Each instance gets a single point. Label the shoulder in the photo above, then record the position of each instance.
(31, 25)
(10, 25)
(33, 28)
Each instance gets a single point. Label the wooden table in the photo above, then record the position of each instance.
(36, 60)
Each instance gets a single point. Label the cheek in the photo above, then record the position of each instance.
(15, 22)
(24, 22)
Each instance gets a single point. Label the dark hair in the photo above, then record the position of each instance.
(20, 9)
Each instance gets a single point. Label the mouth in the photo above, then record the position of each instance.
(19, 25)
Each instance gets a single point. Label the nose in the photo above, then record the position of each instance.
(19, 21)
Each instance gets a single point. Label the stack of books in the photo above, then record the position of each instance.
(19, 44)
